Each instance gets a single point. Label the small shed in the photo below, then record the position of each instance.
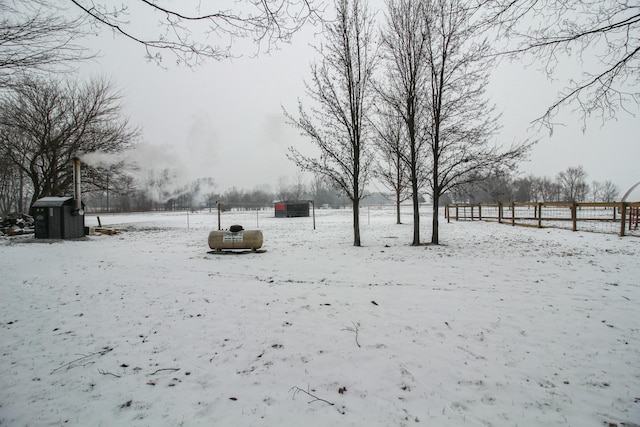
(57, 218)
(292, 208)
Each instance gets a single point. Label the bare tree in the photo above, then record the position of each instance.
(536, 188)
(404, 45)
(461, 120)
(9, 187)
(341, 87)
(283, 188)
(573, 184)
(392, 170)
(495, 187)
(286, 191)
(322, 192)
(299, 188)
(610, 192)
(194, 31)
(596, 191)
(549, 190)
(601, 36)
(605, 191)
(523, 189)
(44, 124)
(36, 36)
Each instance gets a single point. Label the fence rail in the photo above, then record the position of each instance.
(617, 218)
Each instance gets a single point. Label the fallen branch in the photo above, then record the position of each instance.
(164, 369)
(75, 363)
(297, 390)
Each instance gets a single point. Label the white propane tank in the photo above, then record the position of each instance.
(243, 239)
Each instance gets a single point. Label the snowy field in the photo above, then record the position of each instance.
(498, 326)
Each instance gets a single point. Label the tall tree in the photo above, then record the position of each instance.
(341, 88)
(600, 37)
(461, 120)
(404, 43)
(45, 124)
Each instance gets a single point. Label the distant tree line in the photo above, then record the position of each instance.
(570, 185)
(201, 195)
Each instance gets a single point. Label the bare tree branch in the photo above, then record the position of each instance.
(602, 37)
(35, 37)
(193, 36)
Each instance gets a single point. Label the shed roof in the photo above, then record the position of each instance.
(294, 202)
(51, 202)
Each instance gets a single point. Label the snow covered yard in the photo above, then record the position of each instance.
(499, 326)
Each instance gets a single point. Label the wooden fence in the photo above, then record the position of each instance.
(619, 218)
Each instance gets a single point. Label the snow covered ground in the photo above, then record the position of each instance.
(498, 326)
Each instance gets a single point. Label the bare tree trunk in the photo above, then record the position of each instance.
(21, 199)
(416, 212)
(356, 222)
(398, 208)
(435, 238)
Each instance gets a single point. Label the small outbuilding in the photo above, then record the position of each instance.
(58, 218)
(292, 208)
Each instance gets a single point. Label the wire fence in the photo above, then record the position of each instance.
(613, 218)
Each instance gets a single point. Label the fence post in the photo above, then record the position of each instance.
(471, 212)
(456, 212)
(499, 212)
(623, 217)
(313, 207)
(479, 212)
(574, 216)
(446, 212)
(539, 215)
(513, 214)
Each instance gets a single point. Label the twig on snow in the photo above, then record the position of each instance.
(164, 369)
(76, 362)
(354, 329)
(108, 373)
(297, 390)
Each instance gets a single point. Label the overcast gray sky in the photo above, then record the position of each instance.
(224, 119)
